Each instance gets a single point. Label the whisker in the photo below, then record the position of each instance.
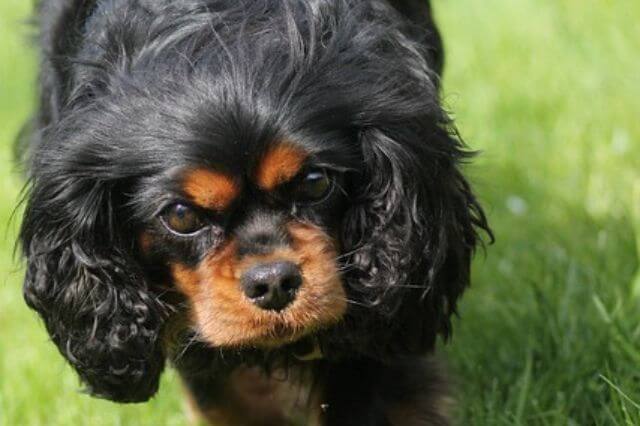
(353, 302)
(186, 347)
(409, 286)
(347, 254)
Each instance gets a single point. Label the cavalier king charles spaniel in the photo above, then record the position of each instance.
(266, 194)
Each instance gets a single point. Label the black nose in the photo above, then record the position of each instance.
(272, 286)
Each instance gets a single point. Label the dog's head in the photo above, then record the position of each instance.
(269, 171)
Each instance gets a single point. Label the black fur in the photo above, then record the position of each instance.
(131, 90)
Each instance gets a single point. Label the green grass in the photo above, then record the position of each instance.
(550, 331)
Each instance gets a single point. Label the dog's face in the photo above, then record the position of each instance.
(269, 173)
(251, 242)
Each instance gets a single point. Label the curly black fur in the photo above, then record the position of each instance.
(133, 89)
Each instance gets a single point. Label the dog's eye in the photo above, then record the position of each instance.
(314, 186)
(182, 219)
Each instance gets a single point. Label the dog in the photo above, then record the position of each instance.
(265, 193)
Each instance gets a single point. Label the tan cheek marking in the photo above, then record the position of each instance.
(217, 308)
(279, 165)
(185, 279)
(324, 293)
(209, 189)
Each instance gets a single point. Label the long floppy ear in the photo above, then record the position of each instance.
(81, 274)
(413, 231)
(84, 282)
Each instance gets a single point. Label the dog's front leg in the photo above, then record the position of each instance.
(402, 392)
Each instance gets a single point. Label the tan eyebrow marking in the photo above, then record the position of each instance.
(210, 189)
(279, 164)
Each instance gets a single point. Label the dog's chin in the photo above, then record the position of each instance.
(301, 345)
(273, 335)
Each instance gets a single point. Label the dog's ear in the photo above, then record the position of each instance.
(83, 280)
(420, 14)
(62, 25)
(412, 231)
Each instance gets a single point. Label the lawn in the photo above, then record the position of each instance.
(549, 333)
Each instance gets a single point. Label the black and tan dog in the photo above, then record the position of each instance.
(265, 192)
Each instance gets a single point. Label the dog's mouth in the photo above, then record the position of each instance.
(307, 349)
(295, 328)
